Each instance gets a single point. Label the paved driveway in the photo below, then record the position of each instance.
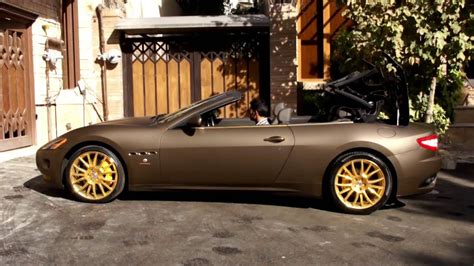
(41, 225)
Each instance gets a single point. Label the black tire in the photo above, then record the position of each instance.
(111, 164)
(376, 195)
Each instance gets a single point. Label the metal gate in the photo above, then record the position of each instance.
(167, 74)
(16, 103)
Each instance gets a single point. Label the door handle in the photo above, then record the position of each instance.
(275, 139)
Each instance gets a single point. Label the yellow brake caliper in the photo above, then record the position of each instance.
(107, 170)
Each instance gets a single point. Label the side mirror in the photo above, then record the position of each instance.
(195, 121)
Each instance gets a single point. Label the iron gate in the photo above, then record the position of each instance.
(16, 104)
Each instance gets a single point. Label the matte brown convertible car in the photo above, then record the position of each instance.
(346, 154)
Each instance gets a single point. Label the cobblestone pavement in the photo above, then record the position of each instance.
(39, 225)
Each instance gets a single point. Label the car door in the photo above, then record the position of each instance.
(225, 156)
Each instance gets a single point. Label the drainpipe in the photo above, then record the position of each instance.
(103, 75)
(48, 100)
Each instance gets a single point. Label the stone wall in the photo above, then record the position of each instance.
(40, 72)
(67, 110)
(467, 97)
(71, 109)
(115, 83)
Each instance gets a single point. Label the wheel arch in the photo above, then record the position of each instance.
(76, 147)
(376, 153)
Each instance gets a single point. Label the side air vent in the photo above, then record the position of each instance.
(142, 153)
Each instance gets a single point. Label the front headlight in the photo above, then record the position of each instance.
(55, 144)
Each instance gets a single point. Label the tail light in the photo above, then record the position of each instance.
(429, 142)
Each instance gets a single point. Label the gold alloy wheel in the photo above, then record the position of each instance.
(93, 175)
(360, 184)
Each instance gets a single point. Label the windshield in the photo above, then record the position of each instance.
(171, 116)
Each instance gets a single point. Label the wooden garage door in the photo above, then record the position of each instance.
(221, 72)
(167, 75)
(161, 80)
(16, 107)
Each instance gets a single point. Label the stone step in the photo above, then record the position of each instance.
(464, 114)
(460, 136)
(464, 157)
(450, 158)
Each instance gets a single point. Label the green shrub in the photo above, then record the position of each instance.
(418, 108)
(432, 40)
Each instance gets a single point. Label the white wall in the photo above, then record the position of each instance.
(152, 8)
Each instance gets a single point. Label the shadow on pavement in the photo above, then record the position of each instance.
(393, 204)
(39, 185)
(221, 196)
(453, 198)
(245, 197)
(428, 258)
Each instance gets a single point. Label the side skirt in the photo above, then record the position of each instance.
(189, 187)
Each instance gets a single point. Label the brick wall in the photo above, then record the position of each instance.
(283, 54)
(44, 8)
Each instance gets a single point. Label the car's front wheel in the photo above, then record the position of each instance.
(359, 183)
(95, 174)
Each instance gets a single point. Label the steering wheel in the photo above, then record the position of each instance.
(210, 119)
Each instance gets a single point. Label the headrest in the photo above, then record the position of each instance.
(284, 116)
(278, 107)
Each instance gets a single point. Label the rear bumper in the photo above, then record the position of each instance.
(416, 171)
(50, 166)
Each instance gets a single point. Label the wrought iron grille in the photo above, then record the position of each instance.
(13, 94)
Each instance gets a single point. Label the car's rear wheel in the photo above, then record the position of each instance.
(359, 183)
(95, 174)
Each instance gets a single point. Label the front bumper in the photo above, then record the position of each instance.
(49, 163)
(416, 171)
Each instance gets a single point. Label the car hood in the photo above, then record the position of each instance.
(129, 121)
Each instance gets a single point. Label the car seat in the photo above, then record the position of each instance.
(284, 116)
(278, 107)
